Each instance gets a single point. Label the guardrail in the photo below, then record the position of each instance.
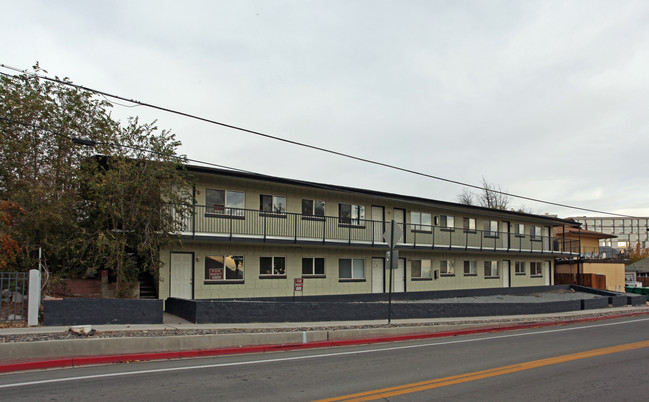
(14, 287)
(231, 223)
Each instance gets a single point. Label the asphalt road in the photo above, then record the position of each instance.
(603, 360)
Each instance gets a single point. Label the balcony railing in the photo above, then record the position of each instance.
(246, 224)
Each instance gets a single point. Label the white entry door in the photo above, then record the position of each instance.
(506, 273)
(377, 275)
(398, 276)
(400, 219)
(182, 265)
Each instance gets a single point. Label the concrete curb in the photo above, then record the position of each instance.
(43, 355)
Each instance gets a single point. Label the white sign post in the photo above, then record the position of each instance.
(34, 297)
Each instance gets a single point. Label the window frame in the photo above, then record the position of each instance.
(353, 277)
(225, 210)
(447, 268)
(520, 229)
(418, 224)
(313, 273)
(443, 222)
(351, 221)
(272, 212)
(489, 229)
(519, 268)
(273, 274)
(224, 279)
(536, 269)
(468, 223)
(421, 263)
(314, 211)
(491, 269)
(471, 263)
(536, 233)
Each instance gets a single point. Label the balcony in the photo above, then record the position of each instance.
(232, 224)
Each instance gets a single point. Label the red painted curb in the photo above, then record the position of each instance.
(107, 359)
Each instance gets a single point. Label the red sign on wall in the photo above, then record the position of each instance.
(299, 284)
(216, 273)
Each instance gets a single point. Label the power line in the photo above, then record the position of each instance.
(301, 144)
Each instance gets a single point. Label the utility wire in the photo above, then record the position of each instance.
(304, 145)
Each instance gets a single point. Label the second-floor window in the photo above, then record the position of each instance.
(491, 228)
(520, 229)
(469, 224)
(350, 214)
(446, 222)
(421, 221)
(535, 232)
(272, 203)
(313, 208)
(224, 202)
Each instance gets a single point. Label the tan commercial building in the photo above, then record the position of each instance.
(260, 236)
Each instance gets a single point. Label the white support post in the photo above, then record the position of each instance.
(34, 297)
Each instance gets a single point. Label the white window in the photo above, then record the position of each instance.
(536, 269)
(491, 269)
(520, 229)
(272, 203)
(351, 268)
(446, 222)
(313, 208)
(491, 228)
(272, 266)
(469, 224)
(519, 268)
(470, 268)
(313, 267)
(350, 214)
(535, 232)
(420, 269)
(421, 221)
(447, 267)
(223, 268)
(224, 202)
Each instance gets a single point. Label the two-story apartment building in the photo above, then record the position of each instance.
(252, 235)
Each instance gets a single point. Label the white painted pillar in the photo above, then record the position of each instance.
(34, 297)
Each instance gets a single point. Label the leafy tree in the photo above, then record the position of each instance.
(637, 253)
(9, 248)
(86, 212)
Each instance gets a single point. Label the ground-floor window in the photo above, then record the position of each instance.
(519, 268)
(536, 269)
(470, 268)
(223, 268)
(491, 269)
(313, 267)
(272, 266)
(420, 269)
(351, 268)
(447, 267)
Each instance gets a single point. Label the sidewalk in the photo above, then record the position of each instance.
(177, 338)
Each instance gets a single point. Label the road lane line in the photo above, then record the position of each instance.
(293, 358)
(466, 377)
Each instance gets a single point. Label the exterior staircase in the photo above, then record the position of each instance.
(147, 286)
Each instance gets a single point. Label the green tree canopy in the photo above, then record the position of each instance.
(103, 206)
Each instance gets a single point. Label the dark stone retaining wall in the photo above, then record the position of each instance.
(374, 306)
(101, 311)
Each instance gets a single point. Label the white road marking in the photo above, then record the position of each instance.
(317, 356)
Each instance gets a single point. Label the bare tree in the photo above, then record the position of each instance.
(491, 196)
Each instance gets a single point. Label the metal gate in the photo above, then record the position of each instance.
(14, 287)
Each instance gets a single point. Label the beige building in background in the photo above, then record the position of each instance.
(254, 236)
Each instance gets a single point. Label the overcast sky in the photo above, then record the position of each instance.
(546, 99)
